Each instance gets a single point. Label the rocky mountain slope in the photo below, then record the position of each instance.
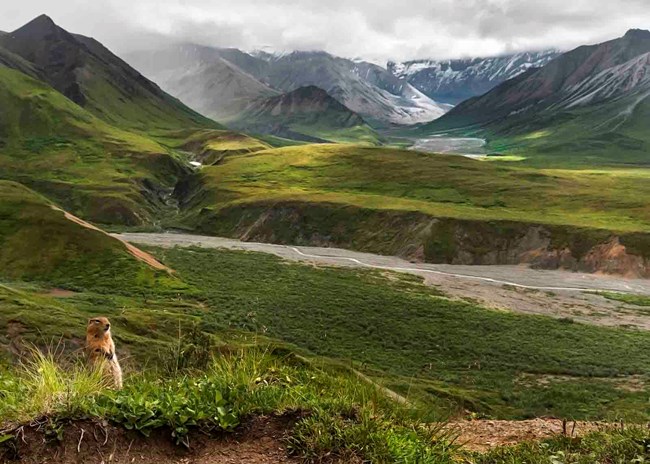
(593, 100)
(452, 81)
(91, 76)
(363, 87)
(209, 76)
(584, 76)
(202, 78)
(307, 113)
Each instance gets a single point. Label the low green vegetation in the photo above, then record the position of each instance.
(291, 338)
(635, 300)
(330, 412)
(449, 355)
(334, 413)
(609, 445)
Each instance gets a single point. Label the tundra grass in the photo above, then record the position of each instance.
(335, 414)
(449, 355)
(437, 185)
(635, 300)
(629, 445)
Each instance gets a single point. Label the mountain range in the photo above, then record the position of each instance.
(594, 99)
(452, 81)
(91, 76)
(220, 82)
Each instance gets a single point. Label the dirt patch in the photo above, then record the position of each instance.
(629, 383)
(138, 253)
(15, 329)
(260, 441)
(59, 293)
(482, 435)
(583, 307)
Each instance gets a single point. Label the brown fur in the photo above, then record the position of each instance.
(100, 348)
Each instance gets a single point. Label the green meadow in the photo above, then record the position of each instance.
(436, 185)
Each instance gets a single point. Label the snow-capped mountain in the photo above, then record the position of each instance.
(597, 87)
(365, 88)
(219, 82)
(452, 81)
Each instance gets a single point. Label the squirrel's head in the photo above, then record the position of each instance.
(99, 325)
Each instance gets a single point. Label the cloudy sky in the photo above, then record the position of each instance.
(377, 30)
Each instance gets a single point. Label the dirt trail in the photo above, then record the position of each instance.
(482, 435)
(559, 294)
(136, 252)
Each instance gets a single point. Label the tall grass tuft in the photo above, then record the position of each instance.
(43, 386)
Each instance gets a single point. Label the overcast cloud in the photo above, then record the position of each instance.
(377, 30)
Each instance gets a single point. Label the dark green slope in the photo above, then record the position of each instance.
(11, 60)
(93, 77)
(91, 168)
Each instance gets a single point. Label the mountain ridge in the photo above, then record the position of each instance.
(555, 81)
(307, 113)
(200, 77)
(589, 103)
(92, 76)
(452, 81)
(364, 88)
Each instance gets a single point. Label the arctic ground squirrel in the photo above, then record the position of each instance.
(100, 348)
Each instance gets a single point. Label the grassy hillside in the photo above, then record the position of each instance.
(449, 356)
(608, 134)
(437, 185)
(38, 243)
(211, 146)
(314, 325)
(95, 170)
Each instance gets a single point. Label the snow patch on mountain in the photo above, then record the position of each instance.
(452, 81)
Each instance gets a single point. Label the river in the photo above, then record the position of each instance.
(465, 146)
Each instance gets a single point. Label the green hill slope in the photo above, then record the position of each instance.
(39, 243)
(586, 107)
(90, 75)
(95, 170)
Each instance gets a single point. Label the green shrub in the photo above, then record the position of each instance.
(178, 404)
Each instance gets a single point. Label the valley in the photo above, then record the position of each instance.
(468, 147)
(582, 297)
(331, 256)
